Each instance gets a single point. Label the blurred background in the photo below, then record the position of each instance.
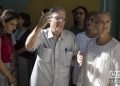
(34, 8)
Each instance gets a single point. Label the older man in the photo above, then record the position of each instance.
(55, 46)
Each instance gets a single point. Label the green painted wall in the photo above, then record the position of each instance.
(113, 7)
(17, 5)
(35, 6)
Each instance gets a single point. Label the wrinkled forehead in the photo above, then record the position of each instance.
(103, 16)
(59, 13)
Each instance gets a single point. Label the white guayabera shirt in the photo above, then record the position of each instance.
(53, 60)
(100, 64)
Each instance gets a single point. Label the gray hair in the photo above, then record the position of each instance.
(56, 9)
(103, 13)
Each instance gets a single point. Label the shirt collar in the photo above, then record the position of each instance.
(50, 34)
(62, 35)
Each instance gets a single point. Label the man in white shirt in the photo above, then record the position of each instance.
(55, 46)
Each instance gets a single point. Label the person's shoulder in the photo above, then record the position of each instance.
(115, 46)
(81, 34)
(114, 41)
(45, 30)
(67, 32)
(92, 41)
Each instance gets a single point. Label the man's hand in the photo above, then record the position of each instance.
(45, 19)
(79, 58)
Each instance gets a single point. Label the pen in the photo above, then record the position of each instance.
(65, 50)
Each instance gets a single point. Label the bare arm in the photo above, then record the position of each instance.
(31, 40)
(6, 72)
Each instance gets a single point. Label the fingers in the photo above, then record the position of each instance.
(45, 19)
(12, 79)
(79, 52)
(79, 58)
(47, 16)
(13, 83)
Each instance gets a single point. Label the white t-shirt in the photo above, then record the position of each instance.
(83, 41)
(99, 64)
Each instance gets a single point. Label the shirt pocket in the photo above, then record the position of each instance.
(45, 54)
(67, 58)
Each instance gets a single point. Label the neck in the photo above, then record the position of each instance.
(56, 35)
(91, 34)
(104, 39)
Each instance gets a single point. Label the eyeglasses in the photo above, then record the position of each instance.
(59, 18)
